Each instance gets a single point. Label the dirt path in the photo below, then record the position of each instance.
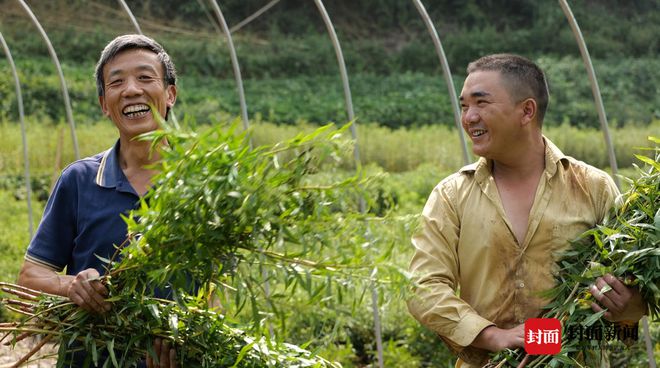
(9, 355)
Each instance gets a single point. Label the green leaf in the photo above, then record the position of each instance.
(174, 325)
(593, 318)
(242, 354)
(95, 353)
(649, 161)
(604, 289)
(153, 309)
(111, 351)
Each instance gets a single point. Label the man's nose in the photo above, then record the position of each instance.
(133, 87)
(469, 116)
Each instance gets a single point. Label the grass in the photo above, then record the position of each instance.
(414, 160)
(14, 232)
(399, 150)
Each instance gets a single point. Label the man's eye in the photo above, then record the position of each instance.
(146, 78)
(115, 82)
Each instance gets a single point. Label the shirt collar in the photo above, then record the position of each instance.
(553, 155)
(110, 174)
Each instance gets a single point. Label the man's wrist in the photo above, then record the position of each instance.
(488, 339)
(64, 282)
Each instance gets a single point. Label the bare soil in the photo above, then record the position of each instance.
(10, 355)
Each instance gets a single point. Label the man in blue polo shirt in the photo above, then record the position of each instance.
(82, 220)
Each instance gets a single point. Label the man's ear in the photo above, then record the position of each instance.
(171, 95)
(529, 110)
(104, 107)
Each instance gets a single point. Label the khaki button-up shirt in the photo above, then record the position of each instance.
(466, 243)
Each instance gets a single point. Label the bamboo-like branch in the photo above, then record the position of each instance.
(20, 294)
(24, 289)
(18, 338)
(28, 306)
(33, 351)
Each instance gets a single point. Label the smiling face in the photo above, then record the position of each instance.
(133, 81)
(490, 117)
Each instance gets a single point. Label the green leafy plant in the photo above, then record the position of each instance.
(254, 231)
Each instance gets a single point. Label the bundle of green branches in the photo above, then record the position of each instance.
(627, 246)
(126, 334)
(254, 231)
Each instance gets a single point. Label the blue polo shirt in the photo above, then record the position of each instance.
(82, 217)
(82, 221)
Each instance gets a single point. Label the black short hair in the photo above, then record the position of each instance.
(129, 42)
(525, 78)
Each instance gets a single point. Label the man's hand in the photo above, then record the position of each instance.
(496, 339)
(85, 289)
(88, 292)
(166, 355)
(623, 303)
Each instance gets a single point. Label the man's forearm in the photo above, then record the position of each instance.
(84, 289)
(36, 277)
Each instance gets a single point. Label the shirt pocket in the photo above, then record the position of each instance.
(563, 234)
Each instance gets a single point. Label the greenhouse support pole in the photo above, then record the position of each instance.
(447, 74)
(65, 91)
(595, 90)
(131, 16)
(356, 153)
(21, 117)
(348, 99)
(235, 65)
(254, 16)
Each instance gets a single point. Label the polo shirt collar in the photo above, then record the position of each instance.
(110, 174)
(553, 156)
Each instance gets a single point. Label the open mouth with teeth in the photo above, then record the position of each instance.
(477, 133)
(136, 111)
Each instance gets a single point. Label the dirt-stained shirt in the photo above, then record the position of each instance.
(466, 243)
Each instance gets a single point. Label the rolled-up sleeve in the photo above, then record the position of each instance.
(435, 267)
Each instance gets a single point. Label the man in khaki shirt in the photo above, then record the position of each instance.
(493, 229)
